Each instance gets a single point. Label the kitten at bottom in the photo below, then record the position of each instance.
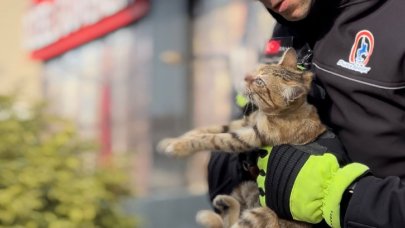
(241, 209)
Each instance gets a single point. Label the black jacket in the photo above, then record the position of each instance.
(359, 59)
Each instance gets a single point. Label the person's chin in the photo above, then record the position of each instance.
(294, 16)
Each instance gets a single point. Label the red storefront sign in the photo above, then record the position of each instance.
(52, 27)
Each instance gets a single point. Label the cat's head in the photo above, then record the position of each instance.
(277, 88)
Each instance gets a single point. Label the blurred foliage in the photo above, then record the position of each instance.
(44, 179)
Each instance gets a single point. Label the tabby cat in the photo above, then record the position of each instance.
(283, 117)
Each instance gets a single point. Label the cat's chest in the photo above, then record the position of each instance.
(266, 124)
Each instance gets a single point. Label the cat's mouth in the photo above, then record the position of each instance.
(249, 95)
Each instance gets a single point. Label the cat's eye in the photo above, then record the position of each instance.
(259, 82)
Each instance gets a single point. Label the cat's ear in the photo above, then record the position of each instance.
(292, 93)
(289, 58)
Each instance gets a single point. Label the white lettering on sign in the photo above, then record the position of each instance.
(49, 21)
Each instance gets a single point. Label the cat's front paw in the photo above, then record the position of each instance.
(173, 147)
(178, 148)
(164, 144)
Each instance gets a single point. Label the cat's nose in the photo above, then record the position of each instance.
(249, 78)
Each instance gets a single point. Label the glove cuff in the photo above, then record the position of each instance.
(342, 179)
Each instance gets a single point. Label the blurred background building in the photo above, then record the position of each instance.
(131, 72)
(18, 73)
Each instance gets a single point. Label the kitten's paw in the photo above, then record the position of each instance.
(178, 148)
(164, 144)
(173, 147)
(223, 202)
(209, 219)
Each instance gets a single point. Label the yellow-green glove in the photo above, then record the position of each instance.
(305, 183)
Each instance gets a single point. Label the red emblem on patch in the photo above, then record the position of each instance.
(362, 48)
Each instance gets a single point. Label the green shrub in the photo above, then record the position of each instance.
(44, 179)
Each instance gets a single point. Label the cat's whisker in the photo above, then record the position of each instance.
(251, 97)
(244, 112)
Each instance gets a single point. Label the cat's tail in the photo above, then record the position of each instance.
(209, 219)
